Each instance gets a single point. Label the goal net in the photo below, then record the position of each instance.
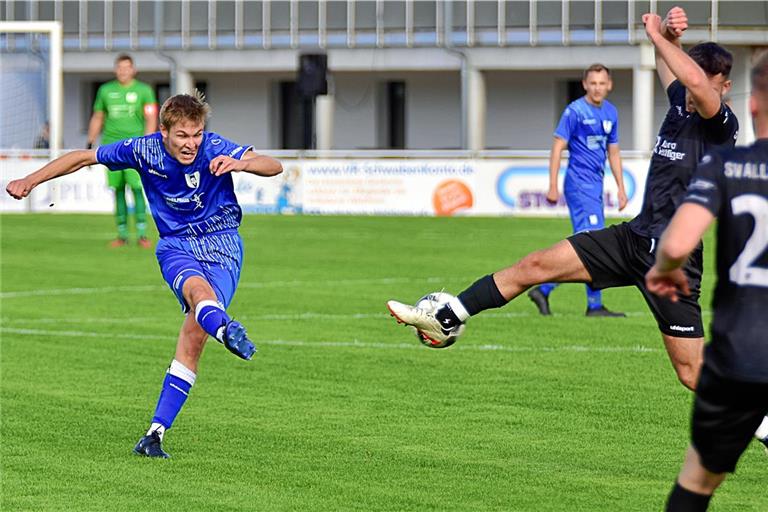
(30, 86)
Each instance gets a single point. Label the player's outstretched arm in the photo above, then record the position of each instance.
(251, 162)
(614, 161)
(66, 164)
(684, 68)
(666, 278)
(555, 155)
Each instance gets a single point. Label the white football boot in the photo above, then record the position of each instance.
(424, 321)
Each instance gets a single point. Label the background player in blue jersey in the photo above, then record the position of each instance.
(589, 128)
(732, 394)
(697, 121)
(186, 176)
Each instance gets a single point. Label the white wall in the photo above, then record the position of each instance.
(241, 105)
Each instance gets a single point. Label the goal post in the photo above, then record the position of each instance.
(19, 40)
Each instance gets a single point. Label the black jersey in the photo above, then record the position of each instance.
(683, 139)
(733, 185)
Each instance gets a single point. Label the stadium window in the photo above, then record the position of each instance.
(391, 115)
(89, 96)
(566, 92)
(296, 118)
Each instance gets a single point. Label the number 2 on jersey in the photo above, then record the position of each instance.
(743, 271)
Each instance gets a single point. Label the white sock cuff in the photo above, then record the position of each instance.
(458, 309)
(179, 370)
(762, 430)
(157, 427)
(204, 303)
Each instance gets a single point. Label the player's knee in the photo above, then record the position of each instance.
(532, 269)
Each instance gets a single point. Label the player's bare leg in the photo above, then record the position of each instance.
(687, 356)
(695, 484)
(191, 342)
(558, 263)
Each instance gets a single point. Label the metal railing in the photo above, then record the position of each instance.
(104, 25)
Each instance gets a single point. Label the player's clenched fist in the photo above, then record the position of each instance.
(672, 27)
(675, 23)
(19, 189)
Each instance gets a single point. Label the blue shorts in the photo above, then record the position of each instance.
(216, 257)
(585, 205)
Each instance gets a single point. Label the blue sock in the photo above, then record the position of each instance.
(212, 318)
(594, 298)
(547, 288)
(178, 381)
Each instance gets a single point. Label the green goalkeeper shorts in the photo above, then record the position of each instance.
(119, 179)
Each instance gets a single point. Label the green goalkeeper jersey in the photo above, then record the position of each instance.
(123, 108)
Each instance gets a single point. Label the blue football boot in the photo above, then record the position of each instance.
(236, 340)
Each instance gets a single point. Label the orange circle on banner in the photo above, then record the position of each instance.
(451, 196)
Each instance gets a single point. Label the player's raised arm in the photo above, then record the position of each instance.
(672, 28)
(706, 99)
(250, 162)
(66, 164)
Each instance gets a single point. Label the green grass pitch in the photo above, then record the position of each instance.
(341, 408)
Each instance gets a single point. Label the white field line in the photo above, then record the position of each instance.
(276, 317)
(266, 284)
(639, 349)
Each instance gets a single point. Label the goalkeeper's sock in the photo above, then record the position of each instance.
(594, 298)
(212, 318)
(176, 385)
(547, 288)
(121, 213)
(140, 210)
(683, 500)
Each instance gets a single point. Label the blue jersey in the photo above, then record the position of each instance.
(186, 200)
(588, 130)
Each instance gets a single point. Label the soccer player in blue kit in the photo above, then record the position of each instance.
(186, 174)
(589, 128)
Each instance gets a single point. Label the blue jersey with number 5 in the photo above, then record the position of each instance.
(186, 200)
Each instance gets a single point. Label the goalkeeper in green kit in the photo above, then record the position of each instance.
(125, 108)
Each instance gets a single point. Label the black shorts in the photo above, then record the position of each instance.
(726, 414)
(617, 256)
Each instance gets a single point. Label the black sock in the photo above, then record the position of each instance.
(683, 500)
(482, 295)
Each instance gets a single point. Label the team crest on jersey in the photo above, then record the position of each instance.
(607, 125)
(193, 180)
(131, 97)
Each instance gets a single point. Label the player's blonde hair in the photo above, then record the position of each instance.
(184, 106)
